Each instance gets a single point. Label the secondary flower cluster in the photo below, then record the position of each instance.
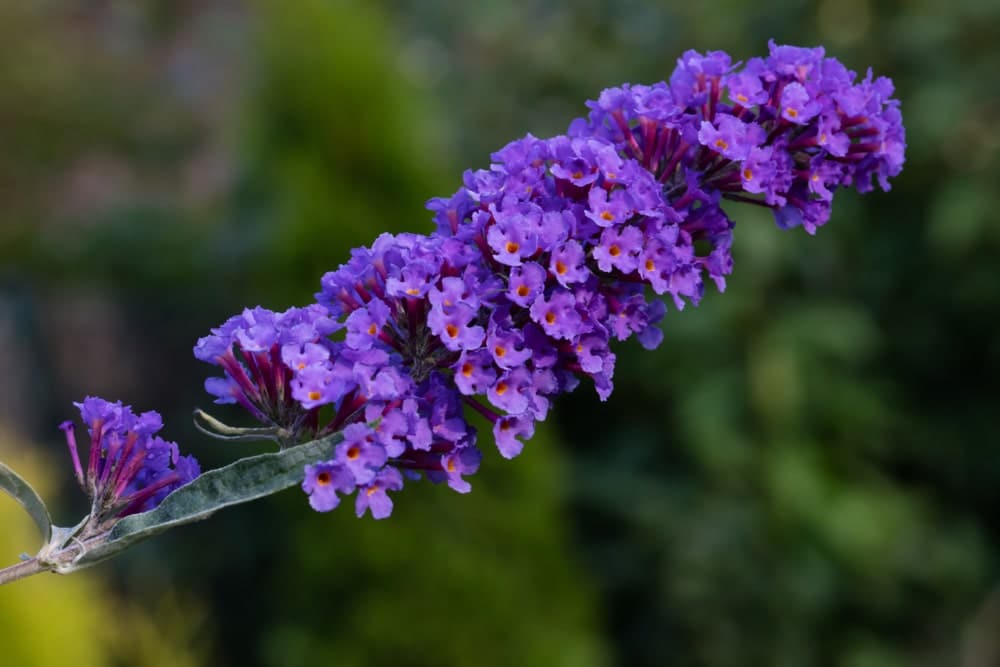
(248, 347)
(130, 469)
(540, 261)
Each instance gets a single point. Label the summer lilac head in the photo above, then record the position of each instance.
(542, 259)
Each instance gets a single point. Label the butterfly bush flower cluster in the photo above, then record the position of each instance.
(129, 469)
(542, 260)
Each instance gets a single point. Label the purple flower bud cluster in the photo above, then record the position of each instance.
(130, 469)
(541, 261)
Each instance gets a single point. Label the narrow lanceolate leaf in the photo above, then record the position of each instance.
(22, 492)
(239, 482)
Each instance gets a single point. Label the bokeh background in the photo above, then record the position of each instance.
(806, 472)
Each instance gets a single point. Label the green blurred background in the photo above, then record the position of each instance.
(805, 473)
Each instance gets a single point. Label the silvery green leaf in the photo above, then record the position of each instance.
(239, 482)
(22, 492)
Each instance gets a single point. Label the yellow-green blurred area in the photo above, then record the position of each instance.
(806, 473)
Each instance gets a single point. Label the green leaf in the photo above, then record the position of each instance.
(33, 504)
(239, 482)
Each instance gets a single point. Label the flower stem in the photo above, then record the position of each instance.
(57, 559)
(22, 570)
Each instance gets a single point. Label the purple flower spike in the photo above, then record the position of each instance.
(543, 258)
